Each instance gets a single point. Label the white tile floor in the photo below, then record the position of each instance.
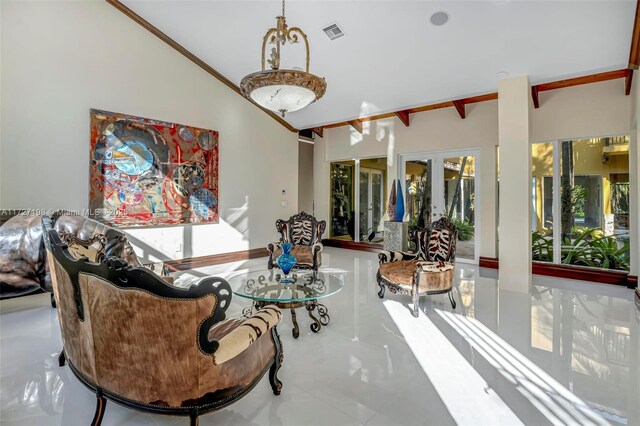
(566, 353)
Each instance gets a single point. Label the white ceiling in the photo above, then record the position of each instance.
(392, 57)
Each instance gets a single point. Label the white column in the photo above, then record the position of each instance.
(634, 179)
(514, 132)
(321, 182)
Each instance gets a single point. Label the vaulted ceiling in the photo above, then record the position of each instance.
(392, 57)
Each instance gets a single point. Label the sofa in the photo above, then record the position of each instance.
(23, 266)
(134, 339)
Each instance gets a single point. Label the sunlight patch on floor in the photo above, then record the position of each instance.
(467, 396)
(557, 403)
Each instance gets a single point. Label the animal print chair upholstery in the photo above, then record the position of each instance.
(132, 338)
(305, 233)
(428, 270)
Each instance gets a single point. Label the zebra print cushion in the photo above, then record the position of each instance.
(302, 233)
(439, 245)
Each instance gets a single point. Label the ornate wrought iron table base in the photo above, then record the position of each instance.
(322, 318)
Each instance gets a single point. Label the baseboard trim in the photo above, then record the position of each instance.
(572, 272)
(489, 262)
(352, 245)
(215, 259)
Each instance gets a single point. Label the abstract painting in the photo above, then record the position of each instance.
(150, 172)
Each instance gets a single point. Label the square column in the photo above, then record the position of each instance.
(514, 133)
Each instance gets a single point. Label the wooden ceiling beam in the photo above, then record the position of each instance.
(634, 54)
(318, 131)
(193, 58)
(535, 96)
(356, 124)
(627, 82)
(577, 81)
(404, 116)
(459, 104)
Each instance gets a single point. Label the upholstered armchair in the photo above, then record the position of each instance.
(428, 270)
(305, 233)
(132, 338)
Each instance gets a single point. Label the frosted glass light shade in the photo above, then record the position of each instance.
(282, 97)
(283, 90)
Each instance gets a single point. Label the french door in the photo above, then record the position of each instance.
(444, 184)
(371, 202)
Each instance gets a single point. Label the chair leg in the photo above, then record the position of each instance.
(100, 406)
(276, 384)
(62, 359)
(381, 292)
(452, 300)
(416, 304)
(193, 418)
(381, 285)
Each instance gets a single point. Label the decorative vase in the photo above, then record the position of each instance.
(286, 261)
(399, 204)
(391, 209)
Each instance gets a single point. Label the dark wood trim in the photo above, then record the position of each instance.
(352, 245)
(534, 95)
(627, 82)
(632, 281)
(193, 58)
(472, 100)
(634, 53)
(215, 259)
(580, 273)
(459, 104)
(571, 272)
(577, 81)
(356, 124)
(318, 131)
(404, 116)
(488, 262)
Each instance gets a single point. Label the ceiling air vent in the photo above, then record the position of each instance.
(333, 31)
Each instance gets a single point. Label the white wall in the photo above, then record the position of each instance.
(59, 59)
(436, 130)
(589, 110)
(305, 177)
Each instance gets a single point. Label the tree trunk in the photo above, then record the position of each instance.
(567, 208)
(456, 192)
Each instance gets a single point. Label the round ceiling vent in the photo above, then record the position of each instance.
(439, 18)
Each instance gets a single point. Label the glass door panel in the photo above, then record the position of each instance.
(418, 192)
(377, 202)
(365, 210)
(459, 175)
(371, 205)
(342, 197)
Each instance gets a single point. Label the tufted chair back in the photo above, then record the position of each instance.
(437, 242)
(301, 229)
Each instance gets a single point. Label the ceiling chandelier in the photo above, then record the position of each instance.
(283, 90)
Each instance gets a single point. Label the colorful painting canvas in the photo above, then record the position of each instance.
(150, 172)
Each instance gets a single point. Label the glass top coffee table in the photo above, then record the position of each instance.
(266, 287)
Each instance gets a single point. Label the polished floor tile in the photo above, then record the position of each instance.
(566, 352)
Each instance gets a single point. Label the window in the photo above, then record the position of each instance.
(590, 210)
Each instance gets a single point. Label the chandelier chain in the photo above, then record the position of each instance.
(282, 7)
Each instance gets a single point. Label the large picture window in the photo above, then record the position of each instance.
(585, 221)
